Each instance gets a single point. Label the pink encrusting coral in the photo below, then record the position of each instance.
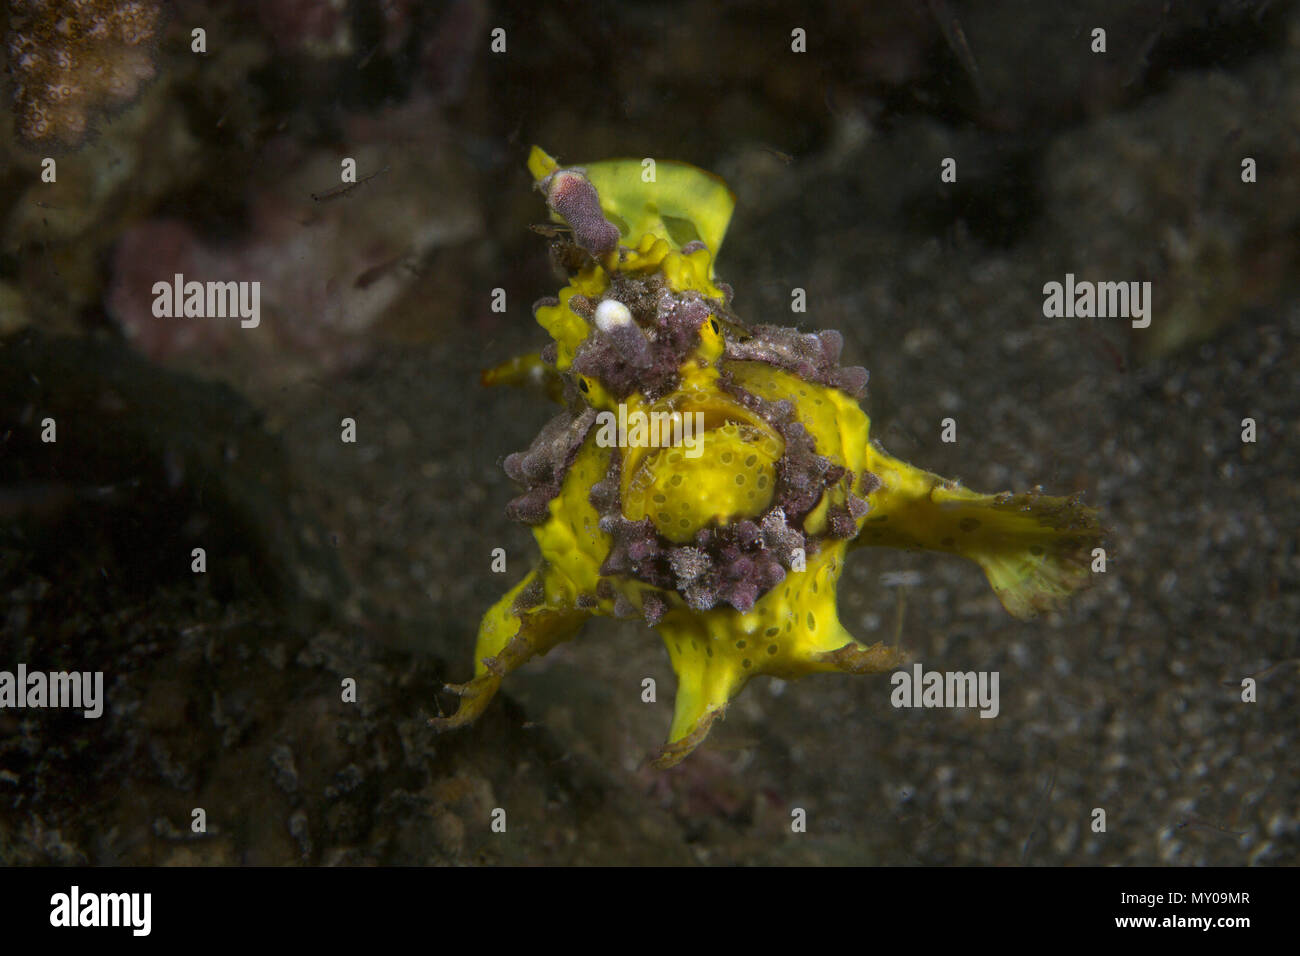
(314, 309)
(71, 59)
(332, 260)
(153, 251)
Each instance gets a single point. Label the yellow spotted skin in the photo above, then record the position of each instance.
(792, 631)
(1034, 549)
(732, 477)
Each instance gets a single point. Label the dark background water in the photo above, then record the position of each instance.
(371, 560)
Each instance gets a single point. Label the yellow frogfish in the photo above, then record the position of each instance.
(710, 476)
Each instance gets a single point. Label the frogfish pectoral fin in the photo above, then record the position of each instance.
(533, 617)
(1035, 549)
(791, 631)
(707, 679)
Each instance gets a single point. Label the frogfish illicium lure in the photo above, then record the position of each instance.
(710, 476)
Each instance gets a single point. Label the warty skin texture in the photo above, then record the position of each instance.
(732, 554)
